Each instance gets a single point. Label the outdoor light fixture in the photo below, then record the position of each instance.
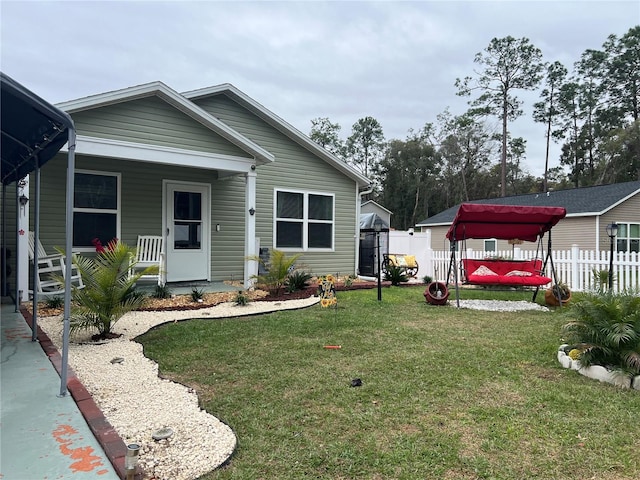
(612, 231)
(23, 199)
(252, 211)
(131, 460)
(377, 226)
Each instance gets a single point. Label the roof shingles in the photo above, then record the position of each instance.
(577, 201)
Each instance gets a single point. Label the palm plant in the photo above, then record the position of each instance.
(277, 270)
(396, 275)
(607, 331)
(109, 290)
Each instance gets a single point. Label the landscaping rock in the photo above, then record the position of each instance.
(635, 383)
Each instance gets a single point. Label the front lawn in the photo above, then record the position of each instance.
(446, 393)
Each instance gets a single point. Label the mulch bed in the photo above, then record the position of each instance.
(184, 302)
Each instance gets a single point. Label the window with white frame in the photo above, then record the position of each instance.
(628, 237)
(304, 220)
(490, 245)
(96, 208)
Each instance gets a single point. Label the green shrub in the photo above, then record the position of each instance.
(197, 294)
(395, 275)
(242, 299)
(607, 331)
(161, 291)
(54, 302)
(297, 280)
(277, 269)
(427, 279)
(109, 288)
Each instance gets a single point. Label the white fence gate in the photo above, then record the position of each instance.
(579, 269)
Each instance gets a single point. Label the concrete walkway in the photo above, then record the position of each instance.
(43, 435)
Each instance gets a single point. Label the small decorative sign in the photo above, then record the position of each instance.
(328, 292)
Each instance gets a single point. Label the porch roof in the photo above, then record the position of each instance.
(33, 130)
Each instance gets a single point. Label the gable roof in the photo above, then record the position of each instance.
(579, 202)
(279, 124)
(176, 100)
(376, 204)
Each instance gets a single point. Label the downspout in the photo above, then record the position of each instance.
(357, 235)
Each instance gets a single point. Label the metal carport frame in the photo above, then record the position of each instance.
(33, 131)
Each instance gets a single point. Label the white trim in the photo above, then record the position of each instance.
(117, 211)
(140, 152)
(282, 126)
(304, 220)
(174, 99)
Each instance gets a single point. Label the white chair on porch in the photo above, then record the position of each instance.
(149, 253)
(49, 266)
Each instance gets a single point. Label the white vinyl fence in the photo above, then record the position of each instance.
(581, 270)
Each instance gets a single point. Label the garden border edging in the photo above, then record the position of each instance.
(597, 372)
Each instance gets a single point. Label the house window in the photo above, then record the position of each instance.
(628, 238)
(304, 220)
(490, 245)
(96, 208)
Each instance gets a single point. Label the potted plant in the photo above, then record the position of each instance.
(557, 294)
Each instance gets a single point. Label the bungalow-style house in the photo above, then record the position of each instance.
(589, 211)
(213, 172)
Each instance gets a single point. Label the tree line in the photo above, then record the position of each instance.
(592, 112)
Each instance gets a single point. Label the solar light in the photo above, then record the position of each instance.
(131, 460)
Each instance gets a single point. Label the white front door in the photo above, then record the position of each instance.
(188, 232)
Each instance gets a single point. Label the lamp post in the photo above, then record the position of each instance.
(612, 231)
(378, 228)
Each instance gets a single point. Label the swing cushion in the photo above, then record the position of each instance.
(503, 272)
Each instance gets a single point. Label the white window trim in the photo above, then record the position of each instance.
(627, 238)
(305, 220)
(117, 211)
(484, 244)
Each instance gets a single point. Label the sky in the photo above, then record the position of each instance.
(391, 60)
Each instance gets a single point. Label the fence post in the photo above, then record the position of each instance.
(575, 281)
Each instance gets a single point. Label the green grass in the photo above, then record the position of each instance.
(447, 393)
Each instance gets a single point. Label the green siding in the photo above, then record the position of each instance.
(294, 168)
(152, 121)
(141, 207)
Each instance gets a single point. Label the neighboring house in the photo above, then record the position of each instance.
(373, 207)
(589, 211)
(214, 172)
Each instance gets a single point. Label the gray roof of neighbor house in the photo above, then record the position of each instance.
(585, 201)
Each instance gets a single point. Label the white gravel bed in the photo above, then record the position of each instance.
(137, 403)
(499, 305)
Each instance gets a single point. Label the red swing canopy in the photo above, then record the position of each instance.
(503, 222)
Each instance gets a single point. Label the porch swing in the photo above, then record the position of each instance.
(503, 222)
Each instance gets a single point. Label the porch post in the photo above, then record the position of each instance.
(22, 273)
(250, 212)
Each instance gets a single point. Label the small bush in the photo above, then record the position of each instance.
(607, 331)
(161, 291)
(298, 280)
(197, 294)
(54, 302)
(427, 279)
(242, 298)
(395, 275)
(278, 269)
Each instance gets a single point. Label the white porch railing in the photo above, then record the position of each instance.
(574, 267)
